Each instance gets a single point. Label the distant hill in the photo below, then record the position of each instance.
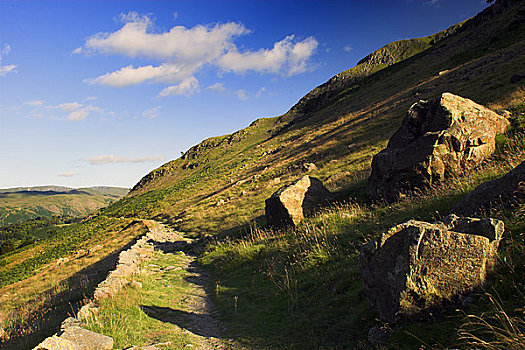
(23, 203)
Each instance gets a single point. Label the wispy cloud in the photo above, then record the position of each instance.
(74, 111)
(4, 69)
(35, 103)
(183, 52)
(347, 48)
(217, 87)
(186, 87)
(260, 92)
(242, 95)
(67, 174)
(152, 112)
(108, 159)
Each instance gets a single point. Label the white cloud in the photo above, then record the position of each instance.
(242, 95)
(217, 87)
(107, 159)
(186, 87)
(126, 76)
(36, 103)
(152, 112)
(4, 51)
(286, 57)
(183, 52)
(67, 174)
(260, 92)
(6, 69)
(77, 111)
(347, 48)
(69, 107)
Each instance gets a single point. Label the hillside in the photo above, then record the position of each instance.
(300, 287)
(23, 203)
(339, 133)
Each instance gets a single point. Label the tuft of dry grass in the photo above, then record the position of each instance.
(494, 330)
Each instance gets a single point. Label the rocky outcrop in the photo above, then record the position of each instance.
(437, 138)
(290, 203)
(418, 264)
(505, 192)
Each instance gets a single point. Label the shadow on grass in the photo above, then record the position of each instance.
(46, 320)
(199, 324)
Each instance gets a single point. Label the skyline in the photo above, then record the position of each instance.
(101, 93)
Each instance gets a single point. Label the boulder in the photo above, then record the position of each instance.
(87, 340)
(417, 264)
(505, 192)
(290, 203)
(516, 78)
(437, 138)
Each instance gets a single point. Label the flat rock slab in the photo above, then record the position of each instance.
(56, 343)
(416, 265)
(87, 340)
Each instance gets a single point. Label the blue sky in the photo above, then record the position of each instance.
(102, 92)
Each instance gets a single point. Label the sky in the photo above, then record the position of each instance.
(101, 92)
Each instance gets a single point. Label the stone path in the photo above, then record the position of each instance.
(194, 314)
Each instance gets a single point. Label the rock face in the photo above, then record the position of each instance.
(417, 264)
(505, 192)
(437, 138)
(290, 203)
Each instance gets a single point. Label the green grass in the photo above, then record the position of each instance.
(63, 242)
(300, 288)
(165, 289)
(22, 204)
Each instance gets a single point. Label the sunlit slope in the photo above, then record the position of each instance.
(19, 204)
(222, 182)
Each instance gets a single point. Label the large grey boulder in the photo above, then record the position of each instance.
(437, 138)
(417, 264)
(505, 192)
(290, 203)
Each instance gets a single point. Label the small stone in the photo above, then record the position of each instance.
(309, 167)
(379, 336)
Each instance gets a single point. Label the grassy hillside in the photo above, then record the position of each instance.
(222, 182)
(300, 288)
(20, 204)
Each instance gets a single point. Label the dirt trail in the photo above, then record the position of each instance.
(195, 310)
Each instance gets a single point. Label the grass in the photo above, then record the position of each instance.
(23, 204)
(298, 287)
(33, 307)
(159, 312)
